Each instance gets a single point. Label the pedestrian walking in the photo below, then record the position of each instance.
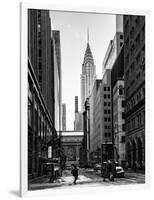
(135, 166)
(112, 171)
(75, 173)
(106, 170)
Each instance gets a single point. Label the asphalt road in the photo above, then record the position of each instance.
(90, 177)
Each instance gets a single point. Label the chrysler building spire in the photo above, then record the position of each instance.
(88, 35)
(88, 75)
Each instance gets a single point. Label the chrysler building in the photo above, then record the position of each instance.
(88, 75)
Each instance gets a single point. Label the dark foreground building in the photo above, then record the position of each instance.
(134, 73)
(41, 93)
(118, 109)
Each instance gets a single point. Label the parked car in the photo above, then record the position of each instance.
(120, 172)
(97, 166)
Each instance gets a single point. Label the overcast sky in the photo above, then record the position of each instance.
(73, 28)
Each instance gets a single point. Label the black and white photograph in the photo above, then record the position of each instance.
(85, 99)
(77, 99)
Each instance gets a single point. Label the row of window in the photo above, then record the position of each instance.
(106, 88)
(137, 22)
(107, 119)
(40, 127)
(107, 111)
(139, 38)
(136, 99)
(107, 96)
(138, 60)
(107, 103)
(107, 134)
(136, 122)
(37, 119)
(107, 127)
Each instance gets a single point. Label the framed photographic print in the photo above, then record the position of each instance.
(82, 98)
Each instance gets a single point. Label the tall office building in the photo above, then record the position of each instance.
(57, 79)
(63, 117)
(118, 108)
(42, 132)
(95, 120)
(100, 119)
(134, 73)
(114, 46)
(88, 75)
(76, 104)
(78, 122)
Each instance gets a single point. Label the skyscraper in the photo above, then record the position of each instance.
(76, 104)
(57, 78)
(88, 75)
(42, 91)
(78, 122)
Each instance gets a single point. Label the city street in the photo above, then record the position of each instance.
(108, 128)
(88, 177)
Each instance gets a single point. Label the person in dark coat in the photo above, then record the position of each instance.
(75, 173)
(106, 170)
(112, 171)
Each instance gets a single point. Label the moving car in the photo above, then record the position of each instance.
(120, 172)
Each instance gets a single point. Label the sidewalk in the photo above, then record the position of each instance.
(66, 180)
(44, 184)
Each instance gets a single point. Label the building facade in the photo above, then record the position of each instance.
(118, 108)
(42, 133)
(134, 72)
(106, 117)
(71, 142)
(88, 75)
(119, 122)
(57, 79)
(113, 50)
(76, 104)
(101, 146)
(95, 122)
(78, 122)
